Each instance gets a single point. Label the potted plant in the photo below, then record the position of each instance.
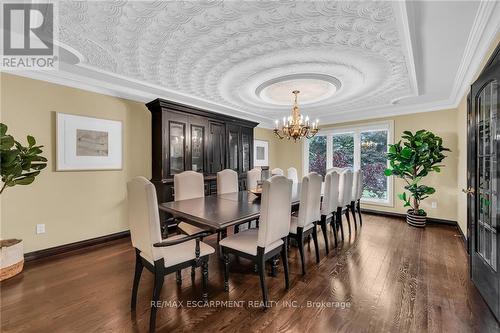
(19, 166)
(412, 160)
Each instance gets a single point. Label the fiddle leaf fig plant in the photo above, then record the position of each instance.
(411, 160)
(19, 164)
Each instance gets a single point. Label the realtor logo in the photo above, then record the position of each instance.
(28, 36)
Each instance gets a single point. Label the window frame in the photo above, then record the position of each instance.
(356, 130)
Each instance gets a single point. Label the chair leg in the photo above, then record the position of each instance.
(158, 284)
(315, 240)
(358, 207)
(333, 223)
(325, 233)
(300, 243)
(226, 271)
(353, 212)
(204, 280)
(274, 266)
(339, 222)
(284, 258)
(137, 278)
(236, 229)
(261, 263)
(178, 277)
(193, 274)
(348, 218)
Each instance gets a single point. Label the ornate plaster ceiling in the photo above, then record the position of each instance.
(351, 59)
(223, 51)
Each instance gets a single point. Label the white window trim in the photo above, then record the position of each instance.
(355, 130)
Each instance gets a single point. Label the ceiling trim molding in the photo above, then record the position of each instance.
(482, 34)
(403, 25)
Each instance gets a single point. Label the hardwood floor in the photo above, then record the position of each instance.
(389, 277)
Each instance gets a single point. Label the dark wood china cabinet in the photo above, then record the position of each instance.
(189, 138)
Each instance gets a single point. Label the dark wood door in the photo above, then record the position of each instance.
(484, 177)
(216, 147)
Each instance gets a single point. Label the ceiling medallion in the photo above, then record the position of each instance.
(295, 126)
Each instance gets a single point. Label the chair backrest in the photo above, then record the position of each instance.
(253, 176)
(345, 188)
(275, 210)
(276, 172)
(357, 185)
(227, 181)
(291, 174)
(331, 193)
(338, 170)
(188, 185)
(310, 199)
(143, 216)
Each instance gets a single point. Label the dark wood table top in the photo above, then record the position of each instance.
(220, 211)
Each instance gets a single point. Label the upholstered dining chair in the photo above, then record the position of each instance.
(227, 181)
(277, 172)
(345, 195)
(329, 206)
(357, 192)
(253, 176)
(304, 224)
(291, 174)
(260, 245)
(160, 257)
(188, 185)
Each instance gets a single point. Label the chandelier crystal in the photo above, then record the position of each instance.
(295, 126)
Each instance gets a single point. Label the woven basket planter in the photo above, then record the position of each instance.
(11, 258)
(416, 220)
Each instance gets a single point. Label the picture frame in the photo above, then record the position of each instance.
(260, 153)
(86, 143)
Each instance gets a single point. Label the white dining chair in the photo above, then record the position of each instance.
(188, 185)
(338, 170)
(345, 195)
(160, 257)
(329, 206)
(277, 172)
(253, 176)
(291, 173)
(357, 192)
(270, 240)
(227, 181)
(304, 224)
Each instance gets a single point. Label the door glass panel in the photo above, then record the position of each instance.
(245, 142)
(487, 172)
(177, 144)
(343, 150)
(233, 150)
(197, 151)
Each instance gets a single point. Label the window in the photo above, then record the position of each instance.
(361, 147)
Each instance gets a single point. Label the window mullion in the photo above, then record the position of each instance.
(357, 150)
(329, 152)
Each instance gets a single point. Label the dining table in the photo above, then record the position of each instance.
(219, 211)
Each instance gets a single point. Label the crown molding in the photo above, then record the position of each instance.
(484, 30)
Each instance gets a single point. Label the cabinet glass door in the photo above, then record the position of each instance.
(177, 147)
(197, 148)
(245, 143)
(233, 150)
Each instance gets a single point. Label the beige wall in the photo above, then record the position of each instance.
(74, 205)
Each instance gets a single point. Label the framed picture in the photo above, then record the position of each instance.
(85, 143)
(260, 153)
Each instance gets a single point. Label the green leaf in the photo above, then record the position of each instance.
(24, 180)
(31, 141)
(388, 172)
(3, 129)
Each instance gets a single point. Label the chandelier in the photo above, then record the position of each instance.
(295, 126)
